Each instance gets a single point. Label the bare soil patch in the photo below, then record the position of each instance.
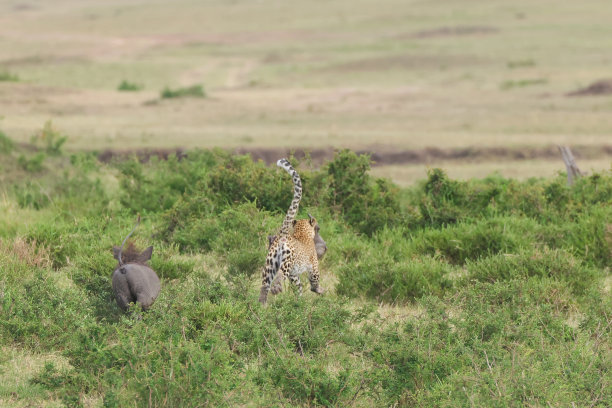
(404, 62)
(386, 155)
(601, 87)
(37, 60)
(454, 31)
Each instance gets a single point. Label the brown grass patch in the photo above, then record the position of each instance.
(412, 62)
(385, 155)
(17, 368)
(26, 252)
(597, 88)
(454, 31)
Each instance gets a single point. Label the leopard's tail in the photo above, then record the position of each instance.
(297, 196)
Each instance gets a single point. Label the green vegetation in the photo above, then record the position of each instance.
(33, 163)
(129, 86)
(6, 76)
(523, 83)
(49, 139)
(6, 144)
(196, 91)
(490, 292)
(521, 63)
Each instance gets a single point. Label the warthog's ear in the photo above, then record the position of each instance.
(116, 252)
(145, 255)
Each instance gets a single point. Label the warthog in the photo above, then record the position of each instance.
(133, 280)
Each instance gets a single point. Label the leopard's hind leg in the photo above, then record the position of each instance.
(277, 284)
(313, 277)
(281, 265)
(295, 279)
(273, 262)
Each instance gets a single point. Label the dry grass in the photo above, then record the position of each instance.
(350, 74)
(17, 368)
(406, 175)
(28, 253)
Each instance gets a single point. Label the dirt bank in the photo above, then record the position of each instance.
(386, 155)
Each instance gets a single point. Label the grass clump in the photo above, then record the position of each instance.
(33, 163)
(545, 263)
(6, 144)
(32, 195)
(128, 86)
(383, 279)
(525, 63)
(468, 348)
(194, 91)
(50, 139)
(473, 240)
(522, 83)
(366, 204)
(6, 76)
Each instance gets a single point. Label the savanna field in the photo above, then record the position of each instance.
(462, 270)
(492, 292)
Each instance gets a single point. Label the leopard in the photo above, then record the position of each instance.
(320, 247)
(293, 251)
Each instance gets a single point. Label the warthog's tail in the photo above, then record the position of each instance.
(126, 238)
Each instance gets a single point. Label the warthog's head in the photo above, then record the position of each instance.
(133, 280)
(131, 254)
(320, 244)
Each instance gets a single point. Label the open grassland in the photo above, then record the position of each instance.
(489, 292)
(362, 74)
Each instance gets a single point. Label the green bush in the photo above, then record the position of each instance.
(586, 237)
(157, 185)
(367, 205)
(38, 313)
(237, 233)
(511, 84)
(196, 91)
(237, 179)
(170, 268)
(31, 195)
(129, 86)
(50, 139)
(556, 264)
(443, 202)
(6, 76)
(6, 144)
(384, 279)
(472, 240)
(33, 164)
(468, 348)
(291, 337)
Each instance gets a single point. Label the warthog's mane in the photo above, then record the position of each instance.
(132, 254)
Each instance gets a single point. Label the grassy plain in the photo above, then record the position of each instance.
(361, 74)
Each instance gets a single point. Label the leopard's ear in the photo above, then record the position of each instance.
(294, 222)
